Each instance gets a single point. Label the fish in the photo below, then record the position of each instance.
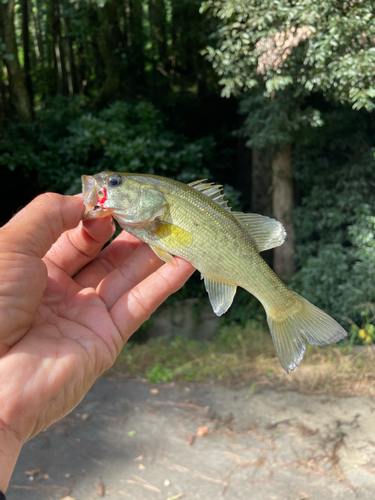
(193, 221)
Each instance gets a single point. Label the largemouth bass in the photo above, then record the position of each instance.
(193, 221)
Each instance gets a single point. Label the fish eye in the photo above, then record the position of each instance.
(114, 180)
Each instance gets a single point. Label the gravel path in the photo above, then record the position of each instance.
(132, 440)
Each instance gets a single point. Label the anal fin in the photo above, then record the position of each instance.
(221, 295)
(163, 255)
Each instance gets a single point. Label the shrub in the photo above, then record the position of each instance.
(67, 140)
(335, 237)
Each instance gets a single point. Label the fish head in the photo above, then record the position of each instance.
(127, 198)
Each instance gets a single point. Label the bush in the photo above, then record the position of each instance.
(335, 231)
(365, 332)
(67, 140)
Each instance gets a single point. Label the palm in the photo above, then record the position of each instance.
(64, 350)
(69, 330)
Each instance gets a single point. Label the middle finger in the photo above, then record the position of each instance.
(141, 263)
(108, 259)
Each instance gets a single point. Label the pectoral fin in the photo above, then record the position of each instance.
(221, 295)
(266, 233)
(163, 255)
(173, 237)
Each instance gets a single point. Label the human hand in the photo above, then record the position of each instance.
(58, 333)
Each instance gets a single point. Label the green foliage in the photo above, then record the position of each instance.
(246, 356)
(335, 222)
(3, 54)
(277, 121)
(364, 334)
(67, 141)
(158, 374)
(282, 58)
(308, 45)
(229, 356)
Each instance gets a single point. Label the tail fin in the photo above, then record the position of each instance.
(304, 323)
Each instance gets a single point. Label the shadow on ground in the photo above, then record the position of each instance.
(132, 440)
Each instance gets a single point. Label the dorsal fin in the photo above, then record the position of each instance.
(195, 183)
(213, 191)
(266, 233)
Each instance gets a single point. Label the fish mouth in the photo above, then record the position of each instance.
(90, 192)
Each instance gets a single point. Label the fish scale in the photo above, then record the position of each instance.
(194, 223)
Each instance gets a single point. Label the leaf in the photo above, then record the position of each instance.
(202, 431)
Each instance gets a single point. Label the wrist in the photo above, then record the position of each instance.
(10, 448)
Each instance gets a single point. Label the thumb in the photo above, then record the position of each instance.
(23, 275)
(36, 227)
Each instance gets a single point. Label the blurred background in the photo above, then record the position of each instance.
(274, 100)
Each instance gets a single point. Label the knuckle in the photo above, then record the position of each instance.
(47, 198)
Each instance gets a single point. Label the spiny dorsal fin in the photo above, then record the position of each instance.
(213, 191)
(195, 183)
(266, 233)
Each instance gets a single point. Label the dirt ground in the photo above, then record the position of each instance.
(133, 440)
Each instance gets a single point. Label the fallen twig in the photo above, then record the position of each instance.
(180, 468)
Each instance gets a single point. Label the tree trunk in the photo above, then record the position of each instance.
(136, 56)
(107, 39)
(35, 55)
(19, 93)
(4, 112)
(158, 30)
(58, 50)
(188, 28)
(72, 73)
(82, 81)
(243, 172)
(26, 48)
(282, 204)
(48, 47)
(261, 181)
(36, 26)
